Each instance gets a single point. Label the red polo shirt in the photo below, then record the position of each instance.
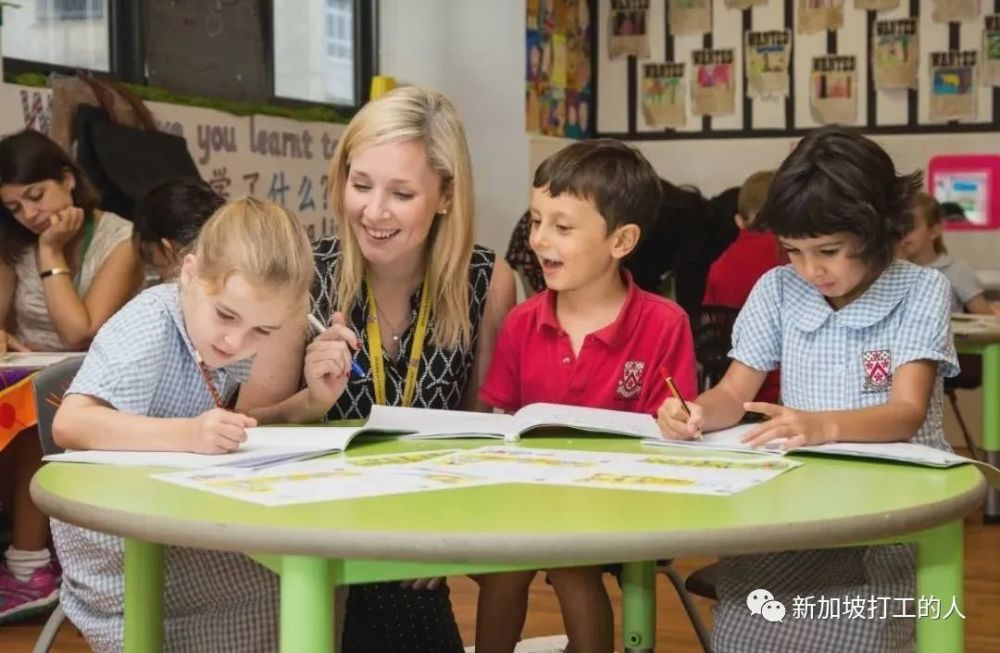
(617, 367)
(733, 276)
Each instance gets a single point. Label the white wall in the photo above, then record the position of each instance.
(473, 52)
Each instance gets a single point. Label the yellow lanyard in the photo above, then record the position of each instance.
(416, 347)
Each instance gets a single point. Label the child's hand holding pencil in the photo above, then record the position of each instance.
(679, 419)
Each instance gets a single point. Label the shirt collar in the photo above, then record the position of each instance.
(611, 335)
(870, 308)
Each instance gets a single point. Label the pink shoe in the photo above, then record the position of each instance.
(19, 599)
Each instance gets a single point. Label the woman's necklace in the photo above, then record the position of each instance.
(395, 330)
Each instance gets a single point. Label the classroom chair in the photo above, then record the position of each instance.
(684, 592)
(50, 385)
(969, 378)
(713, 332)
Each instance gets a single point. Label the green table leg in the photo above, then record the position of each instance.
(307, 586)
(143, 597)
(639, 606)
(991, 423)
(939, 576)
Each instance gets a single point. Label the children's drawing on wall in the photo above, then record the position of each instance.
(627, 28)
(744, 4)
(558, 52)
(766, 58)
(690, 16)
(991, 51)
(820, 15)
(663, 95)
(833, 95)
(953, 85)
(875, 5)
(895, 53)
(713, 87)
(955, 11)
(576, 116)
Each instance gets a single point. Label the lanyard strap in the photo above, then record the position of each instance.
(416, 347)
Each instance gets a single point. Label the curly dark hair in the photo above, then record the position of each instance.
(836, 180)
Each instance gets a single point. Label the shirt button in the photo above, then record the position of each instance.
(566, 360)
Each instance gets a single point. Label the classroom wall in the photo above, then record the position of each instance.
(890, 107)
(283, 160)
(473, 52)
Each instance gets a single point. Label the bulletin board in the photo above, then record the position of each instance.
(683, 69)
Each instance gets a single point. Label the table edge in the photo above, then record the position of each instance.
(470, 547)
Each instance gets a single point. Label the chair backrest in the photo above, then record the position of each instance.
(50, 385)
(713, 333)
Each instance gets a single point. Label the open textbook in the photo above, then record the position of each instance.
(36, 359)
(731, 439)
(270, 445)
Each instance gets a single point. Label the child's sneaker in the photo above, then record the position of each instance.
(19, 599)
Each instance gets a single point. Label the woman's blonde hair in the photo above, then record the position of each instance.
(259, 240)
(405, 114)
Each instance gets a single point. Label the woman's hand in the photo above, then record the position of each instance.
(63, 227)
(328, 361)
(10, 343)
(218, 431)
(798, 428)
(676, 424)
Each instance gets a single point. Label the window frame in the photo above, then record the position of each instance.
(127, 51)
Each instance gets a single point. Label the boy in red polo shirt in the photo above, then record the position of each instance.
(733, 275)
(592, 338)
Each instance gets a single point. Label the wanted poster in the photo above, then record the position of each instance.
(713, 88)
(895, 54)
(833, 92)
(955, 11)
(991, 51)
(953, 85)
(627, 28)
(766, 57)
(690, 16)
(820, 16)
(663, 94)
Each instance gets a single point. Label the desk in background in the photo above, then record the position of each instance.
(314, 547)
(973, 338)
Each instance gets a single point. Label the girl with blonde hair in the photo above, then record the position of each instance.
(411, 299)
(160, 376)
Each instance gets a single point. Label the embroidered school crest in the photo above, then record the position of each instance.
(878, 370)
(631, 381)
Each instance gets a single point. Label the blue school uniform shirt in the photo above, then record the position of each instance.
(835, 360)
(143, 362)
(846, 359)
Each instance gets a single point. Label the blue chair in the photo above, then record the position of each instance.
(50, 385)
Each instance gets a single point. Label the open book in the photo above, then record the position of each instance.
(270, 445)
(36, 359)
(918, 454)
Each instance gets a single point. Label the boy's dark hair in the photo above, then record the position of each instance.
(836, 180)
(617, 178)
(29, 157)
(176, 210)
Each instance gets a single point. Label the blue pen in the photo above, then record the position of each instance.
(319, 328)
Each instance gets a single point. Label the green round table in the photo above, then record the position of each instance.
(313, 547)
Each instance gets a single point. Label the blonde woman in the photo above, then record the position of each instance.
(402, 280)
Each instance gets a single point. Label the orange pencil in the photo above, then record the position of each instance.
(673, 389)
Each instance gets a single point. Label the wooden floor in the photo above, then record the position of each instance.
(674, 634)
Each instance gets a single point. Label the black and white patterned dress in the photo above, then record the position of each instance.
(383, 617)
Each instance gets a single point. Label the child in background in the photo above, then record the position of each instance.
(924, 245)
(168, 219)
(160, 375)
(863, 342)
(65, 268)
(733, 275)
(593, 338)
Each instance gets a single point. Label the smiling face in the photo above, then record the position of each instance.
(233, 322)
(572, 242)
(34, 204)
(831, 265)
(391, 199)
